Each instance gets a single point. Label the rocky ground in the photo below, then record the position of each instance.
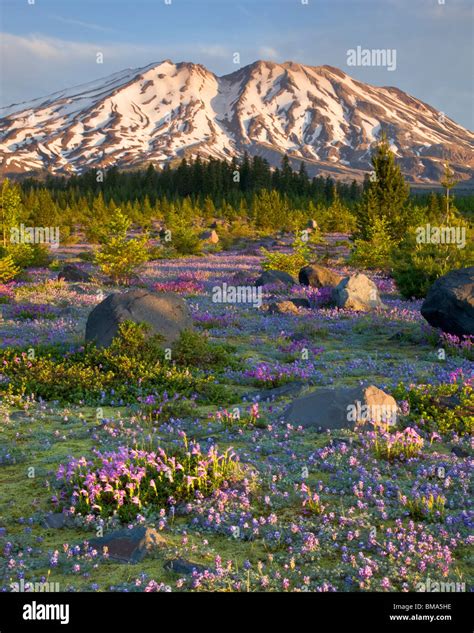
(274, 503)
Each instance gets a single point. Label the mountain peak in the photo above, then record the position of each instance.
(315, 114)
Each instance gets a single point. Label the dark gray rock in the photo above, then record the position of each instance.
(70, 272)
(324, 409)
(341, 408)
(58, 520)
(301, 302)
(339, 441)
(183, 567)
(252, 251)
(165, 314)
(274, 277)
(129, 546)
(19, 415)
(459, 451)
(449, 303)
(242, 278)
(318, 277)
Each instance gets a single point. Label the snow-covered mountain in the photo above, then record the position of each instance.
(165, 111)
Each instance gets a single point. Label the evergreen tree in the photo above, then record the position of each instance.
(209, 210)
(245, 176)
(354, 191)
(386, 195)
(286, 175)
(448, 182)
(303, 180)
(433, 211)
(120, 257)
(10, 209)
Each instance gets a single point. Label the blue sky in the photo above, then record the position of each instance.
(53, 44)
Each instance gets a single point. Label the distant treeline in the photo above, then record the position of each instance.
(246, 190)
(218, 179)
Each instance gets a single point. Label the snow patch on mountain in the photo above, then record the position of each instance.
(164, 111)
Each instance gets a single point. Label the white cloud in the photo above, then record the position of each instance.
(267, 52)
(84, 25)
(34, 66)
(215, 50)
(14, 48)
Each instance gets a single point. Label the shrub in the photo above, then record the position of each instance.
(375, 251)
(8, 269)
(416, 266)
(288, 262)
(119, 257)
(336, 218)
(184, 241)
(30, 255)
(86, 256)
(156, 252)
(239, 232)
(55, 265)
(195, 349)
(130, 480)
(133, 365)
(443, 408)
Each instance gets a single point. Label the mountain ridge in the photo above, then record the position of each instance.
(165, 111)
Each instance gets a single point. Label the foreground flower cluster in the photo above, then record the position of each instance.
(130, 480)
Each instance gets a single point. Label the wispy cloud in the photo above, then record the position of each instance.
(14, 48)
(268, 52)
(215, 50)
(85, 25)
(45, 65)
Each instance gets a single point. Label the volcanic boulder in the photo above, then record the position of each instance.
(283, 307)
(449, 303)
(274, 277)
(130, 546)
(70, 272)
(342, 408)
(209, 236)
(165, 313)
(317, 276)
(357, 292)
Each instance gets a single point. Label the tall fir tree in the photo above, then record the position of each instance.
(386, 195)
(448, 181)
